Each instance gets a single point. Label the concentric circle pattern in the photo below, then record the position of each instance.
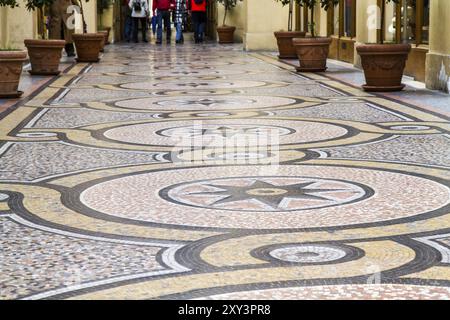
(205, 103)
(219, 132)
(265, 193)
(239, 197)
(191, 85)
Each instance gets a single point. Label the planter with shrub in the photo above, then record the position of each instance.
(11, 62)
(383, 63)
(284, 38)
(88, 45)
(44, 54)
(103, 5)
(225, 32)
(313, 51)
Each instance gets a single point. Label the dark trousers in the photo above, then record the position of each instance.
(143, 22)
(199, 21)
(163, 15)
(128, 28)
(70, 49)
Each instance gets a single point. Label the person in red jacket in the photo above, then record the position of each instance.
(198, 13)
(161, 8)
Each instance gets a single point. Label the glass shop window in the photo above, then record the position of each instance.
(409, 12)
(391, 22)
(415, 21)
(425, 27)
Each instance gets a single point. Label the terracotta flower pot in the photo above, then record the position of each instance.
(103, 43)
(312, 53)
(108, 30)
(285, 45)
(383, 65)
(11, 63)
(226, 34)
(44, 56)
(88, 46)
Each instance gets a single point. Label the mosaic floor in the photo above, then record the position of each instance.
(350, 200)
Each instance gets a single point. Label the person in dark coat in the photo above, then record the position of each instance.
(198, 13)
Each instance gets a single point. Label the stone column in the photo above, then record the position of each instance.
(321, 19)
(90, 16)
(16, 25)
(437, 71)
(363, 34)
(262, 19)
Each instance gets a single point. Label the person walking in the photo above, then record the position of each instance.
(180, 16)
(198, 13)
(162, 10)
(139, 15)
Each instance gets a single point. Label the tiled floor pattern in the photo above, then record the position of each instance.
(95, 203)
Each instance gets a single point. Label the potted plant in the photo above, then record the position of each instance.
(88, 45)
(313, 51)
(103, 5)
(226, 33)
(383, 63)
(284, 38)
(11, 62)
(44, 54)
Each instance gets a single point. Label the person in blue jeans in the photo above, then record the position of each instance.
(154, 24)
(179, 19)
(162, 9)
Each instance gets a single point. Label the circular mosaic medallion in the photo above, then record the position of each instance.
(239, 156)
(167, 65)
(308, 254)
(265, 193)
(187, 72)
(205, 103)
(344, 292)
(300, 196)
(215, 133)
(191, 85)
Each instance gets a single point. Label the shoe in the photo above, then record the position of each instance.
(158, 42)
(145, 40)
